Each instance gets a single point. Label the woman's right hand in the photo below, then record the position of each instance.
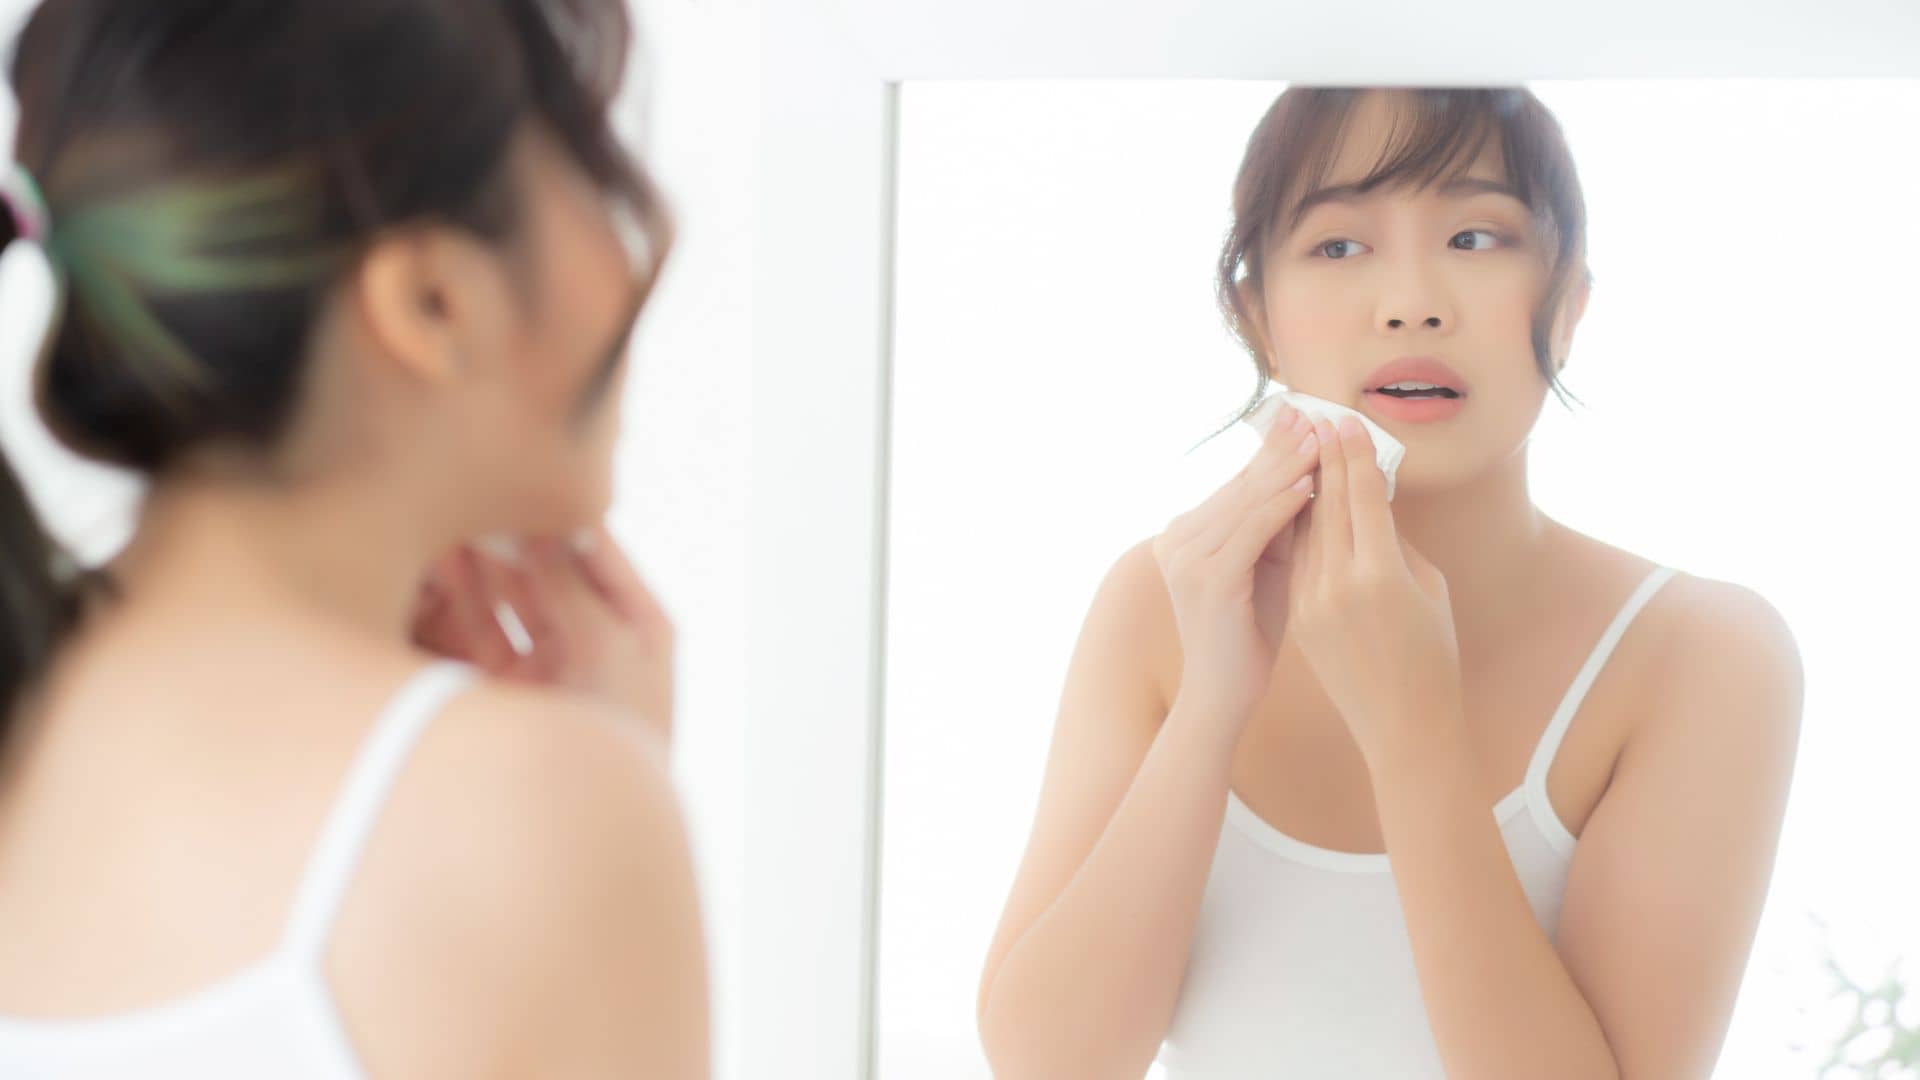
(593, 624)
(1225, 563)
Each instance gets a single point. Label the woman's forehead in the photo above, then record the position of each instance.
(1435, 174)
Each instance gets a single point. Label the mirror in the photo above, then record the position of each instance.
(1058, 349)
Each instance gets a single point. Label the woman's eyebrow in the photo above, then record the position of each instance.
(1458, 188)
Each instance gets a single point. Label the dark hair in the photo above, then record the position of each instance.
(1294, 146)
(214, 168)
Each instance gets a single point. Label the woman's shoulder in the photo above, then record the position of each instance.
(545, 788)
(1692, 616)
(540, 736)
(535, 840)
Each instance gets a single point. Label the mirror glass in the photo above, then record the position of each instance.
(1739, 374)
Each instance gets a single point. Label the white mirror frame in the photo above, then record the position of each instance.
(822, 305)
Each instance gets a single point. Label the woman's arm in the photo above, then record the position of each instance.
(1085, 969)
(1665, 890)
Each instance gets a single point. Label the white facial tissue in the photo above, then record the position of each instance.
(1388, 451)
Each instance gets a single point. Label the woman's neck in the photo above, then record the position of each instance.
(331, 553)
(1491, 543)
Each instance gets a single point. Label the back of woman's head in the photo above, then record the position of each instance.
(213, 169)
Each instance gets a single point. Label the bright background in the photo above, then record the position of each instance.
(1057, 349)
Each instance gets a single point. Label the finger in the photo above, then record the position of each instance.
(445, 612)
(605, 566)
(439, 578)
(1332, 526)
(1281, 548)
(1285, 418)
(1282, 436)
(1278, 448)
(435, 627)
(1269, 474)
(562, 582)
(1299, 565)
(527, 601)
(1374, 537)
(473, 596)
(501, 589)
(1257, 530)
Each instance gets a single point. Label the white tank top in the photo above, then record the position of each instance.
(1301, 965)
(275, 1018)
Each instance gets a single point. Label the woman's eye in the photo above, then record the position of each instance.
(1321, 248)
(1482, 232)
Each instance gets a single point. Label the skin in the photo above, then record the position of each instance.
(1698, 706)
(525, 905)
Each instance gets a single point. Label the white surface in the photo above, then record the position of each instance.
(820, 280)
(1380, 41)
(681, 504)
(1057, 348)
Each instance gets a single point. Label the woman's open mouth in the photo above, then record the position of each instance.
(1413, 406)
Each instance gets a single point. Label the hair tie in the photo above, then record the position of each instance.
(29, 207)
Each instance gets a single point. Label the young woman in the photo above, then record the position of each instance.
(1435, 787)
(350, 283)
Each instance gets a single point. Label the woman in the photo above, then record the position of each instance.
(351, 283)
(1310, 807)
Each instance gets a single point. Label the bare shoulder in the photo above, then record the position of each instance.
(1692, 615)
(1725, 650)
(551, 742)
(1707, 616)
(546, 776)
(536, 842)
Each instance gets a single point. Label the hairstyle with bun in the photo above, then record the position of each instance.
(210, 171)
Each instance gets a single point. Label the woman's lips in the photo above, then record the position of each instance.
(1411, 410)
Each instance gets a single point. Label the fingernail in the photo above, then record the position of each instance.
(503, 547)
(1307, 443)
(583, 541)
(1350, 427)
(511, 625)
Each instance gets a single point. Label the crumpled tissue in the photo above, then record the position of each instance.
(1388, 451)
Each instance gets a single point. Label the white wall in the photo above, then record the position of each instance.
(683, 484)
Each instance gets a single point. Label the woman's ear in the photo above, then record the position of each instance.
(1254, 303)
(429, 299)
(402, 303)
(1571, 311)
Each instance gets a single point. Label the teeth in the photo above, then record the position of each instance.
(1406, 384)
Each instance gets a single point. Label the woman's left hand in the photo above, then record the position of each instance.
(1371, 614)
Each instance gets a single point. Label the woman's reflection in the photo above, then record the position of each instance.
(1317, 803)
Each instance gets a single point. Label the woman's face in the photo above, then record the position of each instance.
(1454, 276)
(560, 355)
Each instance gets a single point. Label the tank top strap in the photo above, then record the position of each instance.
(368, 782)
(1549, 744)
